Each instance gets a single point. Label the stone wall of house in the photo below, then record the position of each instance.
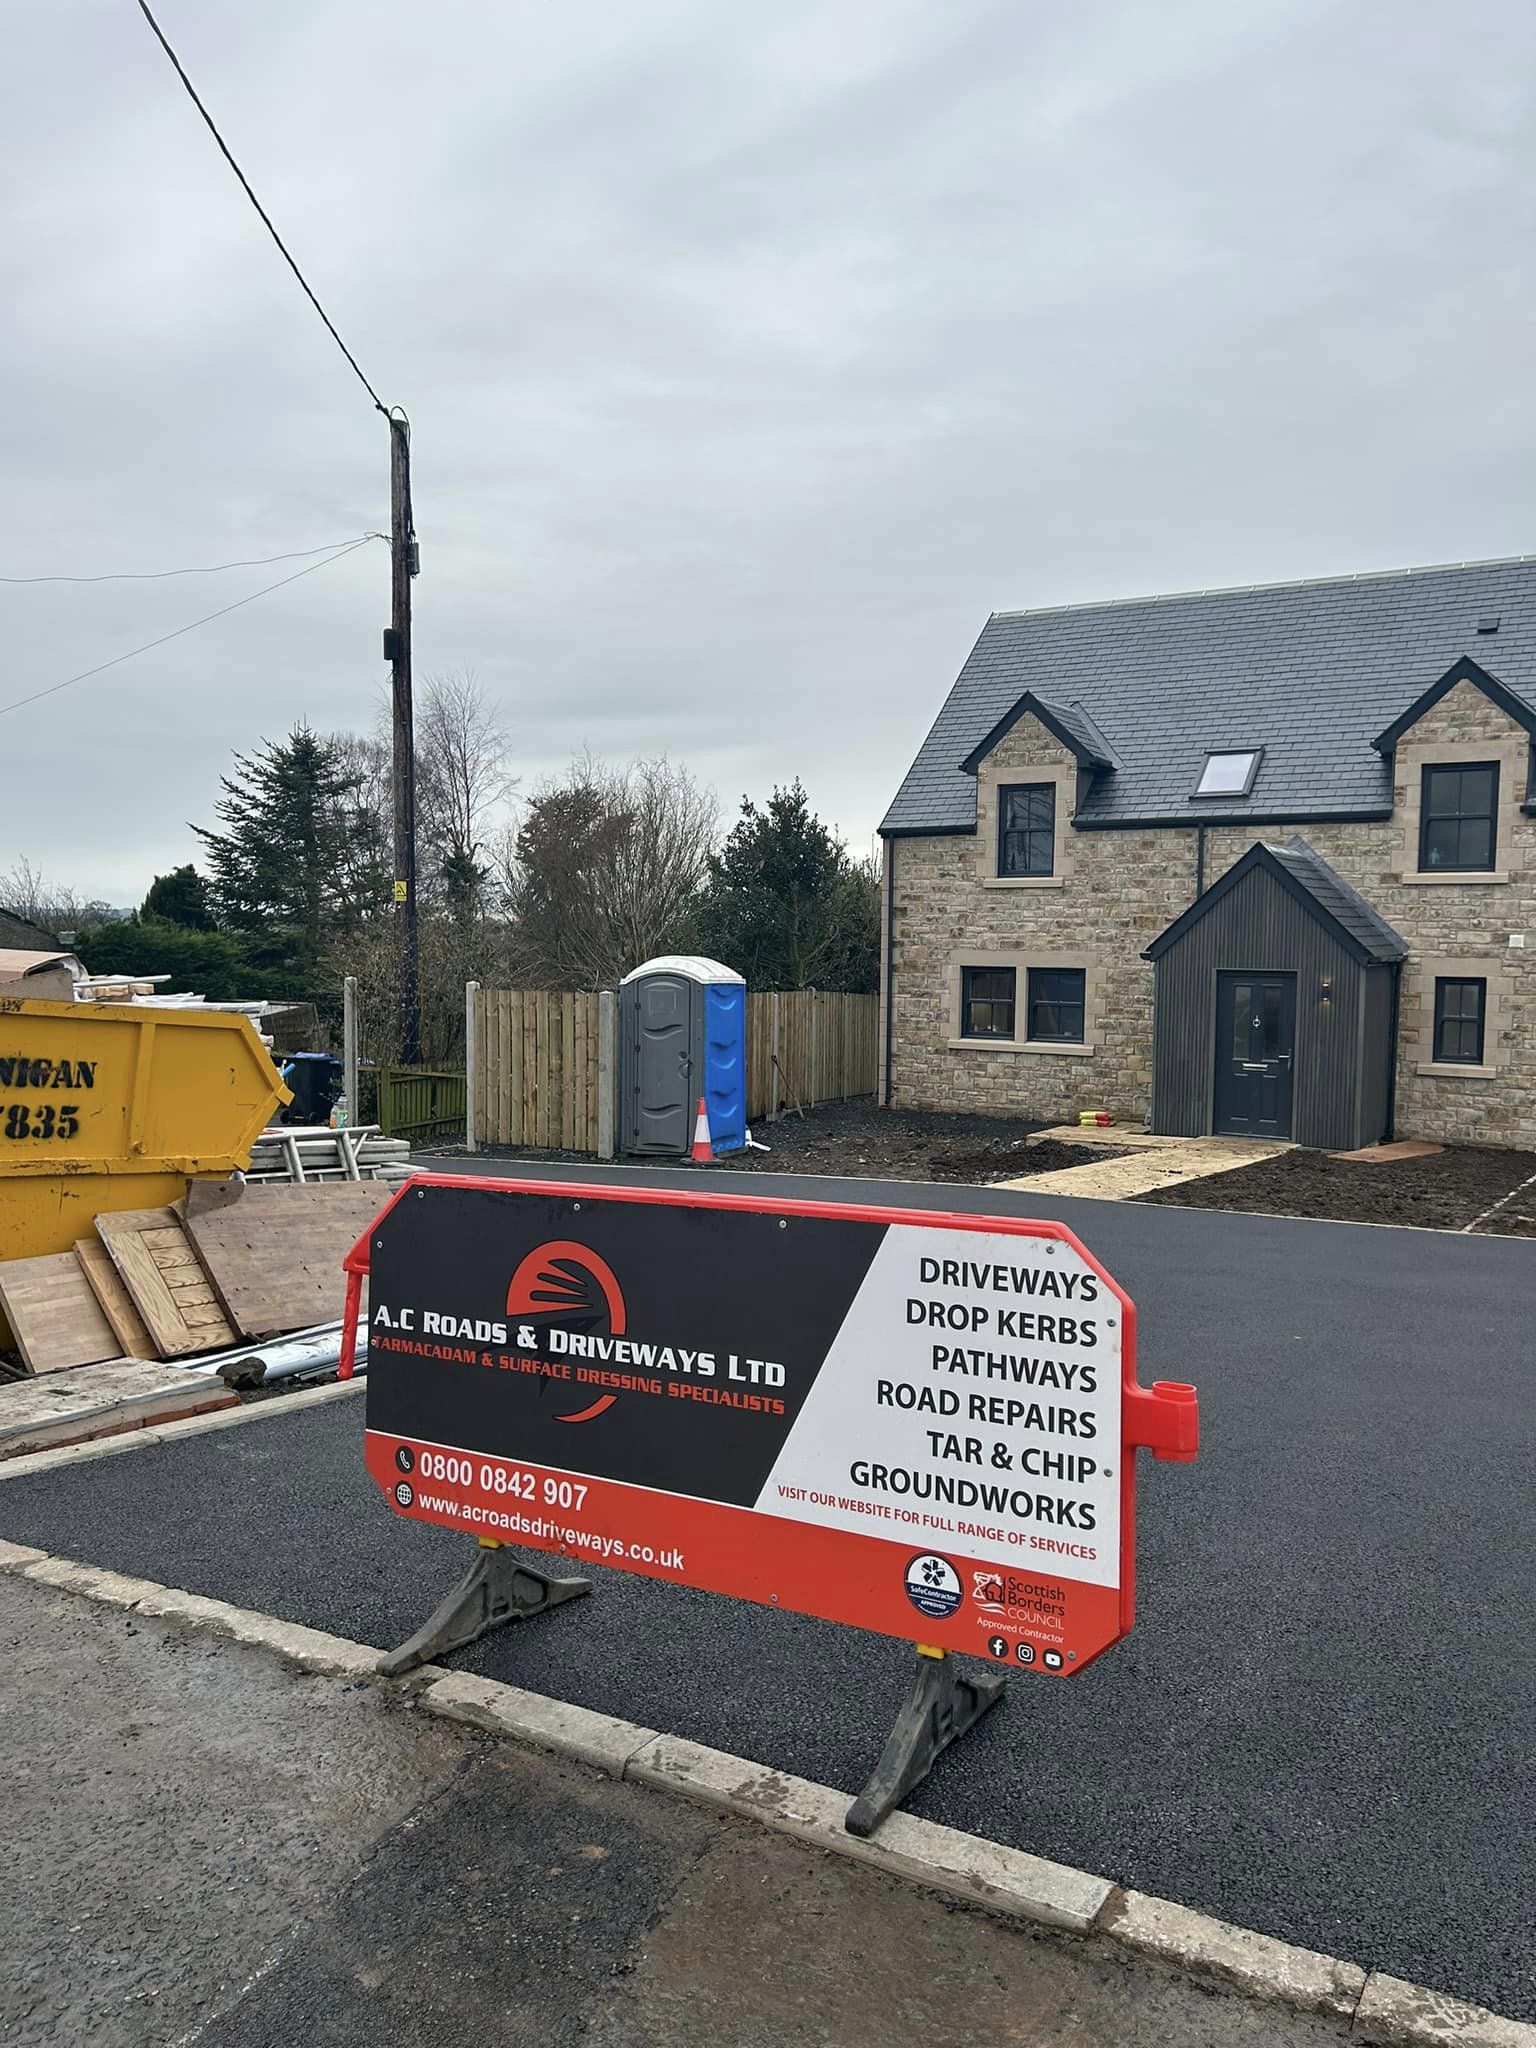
(1119, 889)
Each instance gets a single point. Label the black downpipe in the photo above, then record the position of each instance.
(1199, 862)
(1397, 1004)
(890, 954)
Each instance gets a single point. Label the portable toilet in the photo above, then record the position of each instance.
(682, 1035)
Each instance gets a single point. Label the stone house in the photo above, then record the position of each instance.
(1257, 860)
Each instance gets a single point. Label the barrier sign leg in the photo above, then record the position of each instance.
(941, 1706)
(496, 1589)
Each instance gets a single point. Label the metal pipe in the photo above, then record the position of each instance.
(282, 1360)
(211, 1362)
(1397, 1004)
(890, 957)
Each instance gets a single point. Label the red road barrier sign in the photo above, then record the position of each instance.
(918, 1423)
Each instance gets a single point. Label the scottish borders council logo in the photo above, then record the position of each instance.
(933, 1586)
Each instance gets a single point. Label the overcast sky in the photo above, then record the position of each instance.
(753, 355)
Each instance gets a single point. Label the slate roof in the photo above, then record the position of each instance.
(1311, 672)
(1068, 723)
(1307, 875)
(1345, 905)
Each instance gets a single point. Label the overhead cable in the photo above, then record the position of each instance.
(211, 569)
(266, 218)
(223, 612)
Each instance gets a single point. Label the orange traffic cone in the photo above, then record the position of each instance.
(703, 1152)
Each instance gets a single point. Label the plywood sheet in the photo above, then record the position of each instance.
(116, 1302)
(159, 1267)
(54, 1316)
(274, 1252)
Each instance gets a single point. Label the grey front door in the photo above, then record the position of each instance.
(659, 1064)
(1255, 1047)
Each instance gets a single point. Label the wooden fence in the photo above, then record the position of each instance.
(537, 1081)
(540, 1079)
(825, 1047)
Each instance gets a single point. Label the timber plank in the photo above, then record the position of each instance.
(594, 1006)
(568, 1079)
(54, 1317)
(115, 1300)
(512, 1130)
(273, 1254)
(506, 1108)
(160, 1269)
(553, 1062)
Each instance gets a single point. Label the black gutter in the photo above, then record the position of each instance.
(927, 831)
(1082, 824)
(890, 952)
(1165, 824)
(1397, 1005)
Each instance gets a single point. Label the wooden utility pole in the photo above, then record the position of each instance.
(404, 563)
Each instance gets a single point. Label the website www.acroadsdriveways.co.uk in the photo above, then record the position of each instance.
(604, 1549)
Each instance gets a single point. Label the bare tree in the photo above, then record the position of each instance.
(368, 847)
(26, 892)
(462, 778)
(605, 869)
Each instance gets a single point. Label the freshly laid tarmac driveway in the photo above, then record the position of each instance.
(1323, 1723)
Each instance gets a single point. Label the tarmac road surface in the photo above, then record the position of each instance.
(1322, 1724)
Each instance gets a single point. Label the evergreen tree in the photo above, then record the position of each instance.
(217, 965)
(784, 904)
(464, 881)
(286, 864)
(181, 897)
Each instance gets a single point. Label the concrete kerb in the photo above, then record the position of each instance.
(1255, 1963)
(599, 1740)
(965, 1866)
(1382, 2010)
(1392, 2014)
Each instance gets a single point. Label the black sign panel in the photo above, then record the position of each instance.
(677, 1344)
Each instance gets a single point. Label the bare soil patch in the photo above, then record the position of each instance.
(1446, 1192)
(858, 1140)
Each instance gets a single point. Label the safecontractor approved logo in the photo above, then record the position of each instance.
(933, 1586)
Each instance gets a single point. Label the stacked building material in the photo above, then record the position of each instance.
(230, 1266)
(313, 1152)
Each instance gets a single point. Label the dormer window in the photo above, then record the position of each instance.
(1458, 814)
(1229, 774)
(1026, 830)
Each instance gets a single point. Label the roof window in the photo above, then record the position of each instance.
(1230, 773)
